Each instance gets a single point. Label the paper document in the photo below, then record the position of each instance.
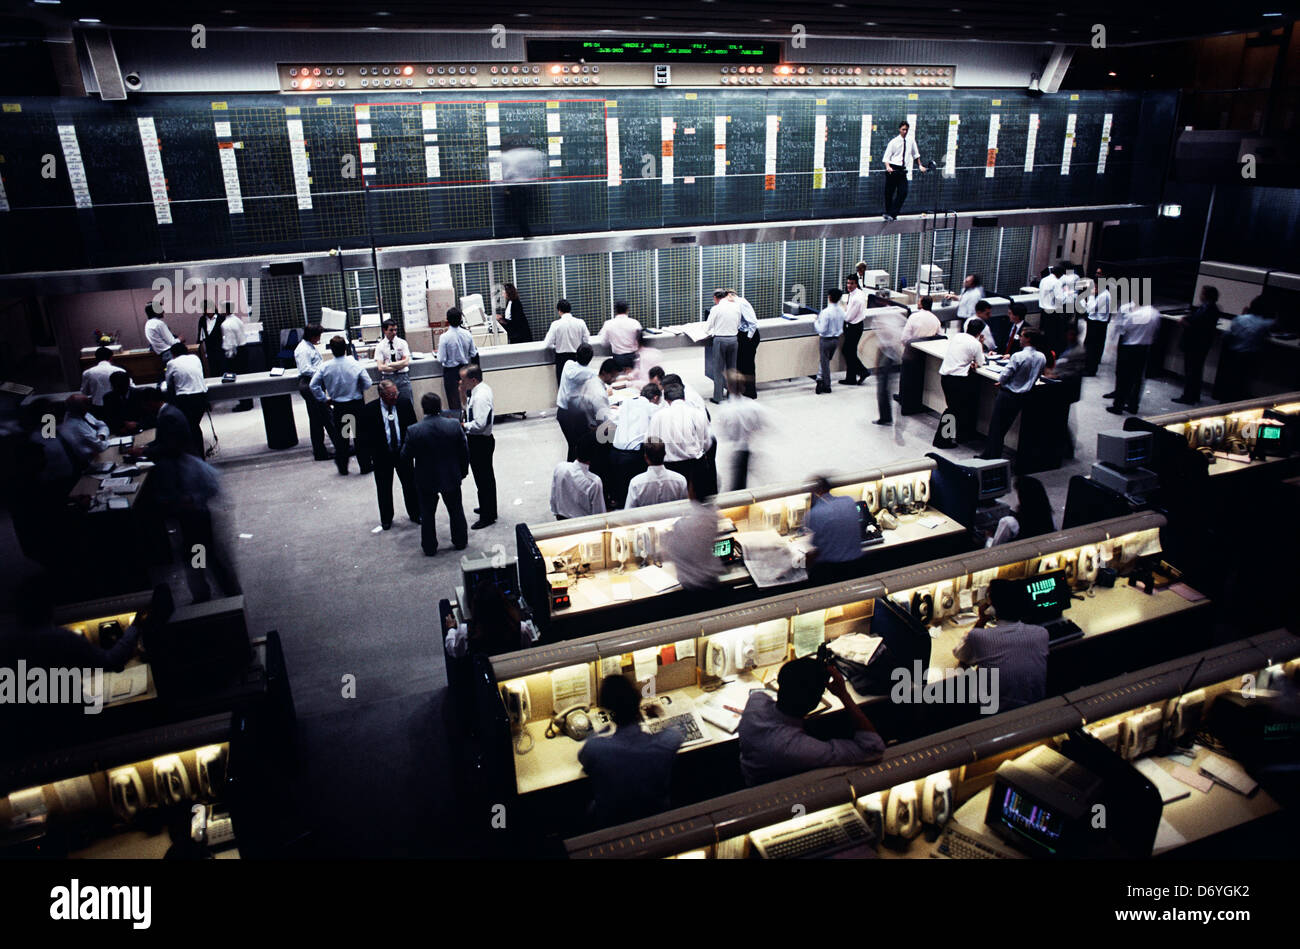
(657, 579)
(1169, 788)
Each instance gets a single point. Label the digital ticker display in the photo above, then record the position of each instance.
(649, 49)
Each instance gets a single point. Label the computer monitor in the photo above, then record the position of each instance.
(994, 477)
(725, 550)
(1124, 450)
(1046, 596)
(1270, 440)
(1041, 803)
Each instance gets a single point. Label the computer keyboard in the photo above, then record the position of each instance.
(821, 839)
(960, 844)
(1062, 630)
(686, 723)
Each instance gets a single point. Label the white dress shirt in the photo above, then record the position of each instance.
(456, 347)
(396, 350)
(622, 334)
(689, 548)
(566, 334)
(592, 401)
(158, 335)
(575, 491)
(478, 411)
(655, 485)
(986, 335)
(307, 358)
(829, 323)
(695, 400)
(855, 307)
(83, 437)
(963, 349)
(1099, 306)
(887, 324)
(1049, 293)
(94, 381)
(901, 152)
(634, 423)
(232, 335)
(184, 375)
(921, 325)
(741, 419)
(573, 377)
(724, 319)
(1139, 326)
(1008, 529)
(966, 302)
(683, 429)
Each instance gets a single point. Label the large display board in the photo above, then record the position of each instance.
(93, 184)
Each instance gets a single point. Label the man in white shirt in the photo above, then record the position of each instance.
(658, 376)
(854, 303)
(829, 325)
(234, 348)
(1097, 323)
(574, 376)
(565, 335)
(307, 359)
(887, 324)
(722, 327)
(1052, 321)
(342, 383)
(455, 349)
(83, 436)
(656, 484)
(481, 443)
(622, 335)
(393, 359)
(983, 310)
(94, 381)
(922, 323)
(627, 451)
(183, 379)
(1137, 328)
(741, 420)
(688, 546)
(971, 293)
(964, 355)
(575, 490)
(157, 334)
(899, 155)
(684, 430)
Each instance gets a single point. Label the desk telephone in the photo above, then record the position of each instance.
(171, 782)
(578, 722)
(936, 804)
(519, 706)
(902, 817)
(211, 763)
(126, 791)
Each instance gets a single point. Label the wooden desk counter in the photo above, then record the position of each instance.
(87, 486)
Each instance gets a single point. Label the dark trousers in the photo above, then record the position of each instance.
(1094, 344)
(688, 469)
(517, 201)
(746, 352)
(739, 469)
(1005, 409)
(386, 463)
(573, 425)
(319, 420)
(854, 371)
(481, 449)
(886, 369)
(238, 364)
(624, 465)
(451, 383)
(347, 417)
(196, 529)
(725, 352)
(962, 395)
(826, 346)
(895, 191)
(560, 360)
(1052, 326)
(1130, 361)
(455, 514)
(706, 473)
(1193, 370)
(624, 360)
(193, 407)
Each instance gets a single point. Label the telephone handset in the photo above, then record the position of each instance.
(171, 782)
(1071, 567)
(905, 493)
(936, 804)
(1088, 564)
(574, 721)
(945, 600)
(644, 544)
(620, 551)
(873, 807)
(211, 767)
(921, 491)
(519, 704)
(902, 817)
(871, 497)
(126, 791)
(889, 497)
(923, 607)
(715, 658)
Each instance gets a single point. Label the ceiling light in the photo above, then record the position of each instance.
(54, 2)
(88, 19)
(872, 23)
(1112, 74)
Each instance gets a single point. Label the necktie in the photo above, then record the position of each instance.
(394, 436)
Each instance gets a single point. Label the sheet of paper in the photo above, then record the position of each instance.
(656, 579)
(1167, 838)
(809, 632)
(685, 648)
(1170, 790)
(1191, 778)
(645, 663)
(611, 666)
(76, 794)
(570, 686)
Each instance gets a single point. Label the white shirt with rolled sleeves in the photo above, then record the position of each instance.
(307, 358)
(634, 418)
(158, 335)
(184, 375)
(232, 335)
(775, 745)
(655, 485)
(963, 349)
(94, 381)
(921, 325)
(724, 319)
(622, 334)
(575, 491)
(1049, 293)
(1139, 326)
(83, 437)
(986, 337)
(855, 307)
(901, 152)
(572, 379)
(566, 334)
(479, 417)
(683, 429)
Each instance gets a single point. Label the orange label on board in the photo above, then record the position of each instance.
(769, 182)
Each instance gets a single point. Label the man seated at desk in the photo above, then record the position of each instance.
(575, 490)
(689, 547)
(773, 741)
(656, 484)
(123, 408)
(836, 530)
(630, 770)
(83, 435)
(1016, 650)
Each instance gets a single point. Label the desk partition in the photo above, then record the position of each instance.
(1139, 716)
(611, 568)
(708, 662)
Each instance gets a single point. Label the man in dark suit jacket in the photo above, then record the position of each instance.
(384, 423)
(436, 446)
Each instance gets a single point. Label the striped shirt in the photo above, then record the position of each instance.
(1018, 651)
